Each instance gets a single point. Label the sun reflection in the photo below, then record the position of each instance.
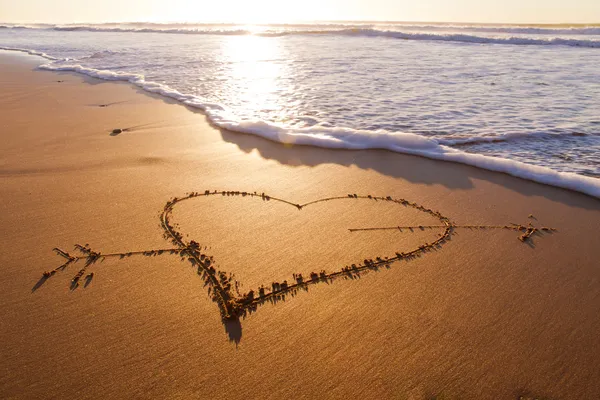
(256, 69)
(255, 29)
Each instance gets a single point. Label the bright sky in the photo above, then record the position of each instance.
(256, 11)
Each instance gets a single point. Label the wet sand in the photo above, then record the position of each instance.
(482, 316)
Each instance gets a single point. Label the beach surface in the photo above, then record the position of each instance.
(485, 315)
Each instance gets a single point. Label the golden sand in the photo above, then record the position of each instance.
(479, 314)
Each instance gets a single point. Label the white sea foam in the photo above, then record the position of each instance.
(31, 52)
(345, 138)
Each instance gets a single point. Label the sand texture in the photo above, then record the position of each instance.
(463, 295)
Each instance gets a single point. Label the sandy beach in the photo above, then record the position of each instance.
(483, 315)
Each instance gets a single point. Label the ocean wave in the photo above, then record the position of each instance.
(560, 29)
(509, 30)
(193, 31)
(550, 36)
(506, 137)
(99, 54)
(464, 38)
(346, 138)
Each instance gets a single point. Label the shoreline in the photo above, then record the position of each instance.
(398, 143)
(485, 315)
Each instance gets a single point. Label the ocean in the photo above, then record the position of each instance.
(523, 100)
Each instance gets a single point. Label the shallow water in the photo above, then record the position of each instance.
(529, 94)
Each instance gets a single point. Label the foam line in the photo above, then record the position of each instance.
(31, 52)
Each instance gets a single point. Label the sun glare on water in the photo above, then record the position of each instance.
(256, 68)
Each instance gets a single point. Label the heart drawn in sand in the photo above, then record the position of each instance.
(223, 288)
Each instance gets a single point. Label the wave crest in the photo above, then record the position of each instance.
(445, 33)
(506, 137)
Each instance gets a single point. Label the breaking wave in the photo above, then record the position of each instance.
(539, 36)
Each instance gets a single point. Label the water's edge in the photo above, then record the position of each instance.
(340, 138)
